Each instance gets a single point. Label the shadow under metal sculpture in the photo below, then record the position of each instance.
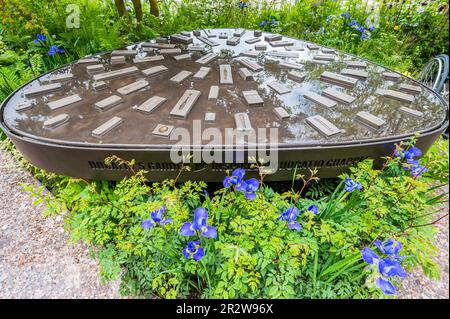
(331, 110)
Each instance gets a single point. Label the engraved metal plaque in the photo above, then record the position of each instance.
(338, 96)
(107, 127)
(64, 102)
(391, 75)
(226, 77)
(170, 51)
(115, 74)
(245, 74)
(281, 43)
(159, 45)
(413, 89)
(133, 87)
(99, 85)
(281, 113)
(202, 73)
(239, 32)
(62, 77)
(234, 41)
(370, 119)
(180, 77)
(411, 112)
(207, 58)
(396, 95)
(163, 130)
(43, 89)
(213, 92)
(242, 122)
(312, 46)
(360, 74)
(252, 98)
(156, 70)
(208, 41)
(273, 37)
(252, 40)
(181, 38)
(319, 99)
(291, 65)
(120, 59)
(182, 57)
(325, 57)
(146, 59)
(255, 67)
(94, 68)
(124, 52)
(296, 76)
(210, 117)
(24, 106)
(56, 121)
(323, 126)
(185, 103)
(150, 105)
(278, 87)
(338, 79)
(108, 103)
(251, 54)
(357, 64)
(260, 47)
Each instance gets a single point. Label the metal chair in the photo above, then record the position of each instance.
(435, 76)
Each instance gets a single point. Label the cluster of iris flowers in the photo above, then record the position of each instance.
(411, 163)
(236, 179)
(360, 28)
(385, 268)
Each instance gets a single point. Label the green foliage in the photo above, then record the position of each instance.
(254, 255)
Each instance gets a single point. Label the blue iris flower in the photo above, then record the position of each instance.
(345, 15)
(54, 49)
(40, 38)
(274, 21)
(353, 23)
(413, 152)
(351, 185)
(391, 247)
(263, 23)
(418, 170)
(194, 249)
(242, 5)
(199, 225)
(313, 209)
(250, 187)
(156, 217)
(387, 268)
(371, 27)
(289, 215)
(235, 178)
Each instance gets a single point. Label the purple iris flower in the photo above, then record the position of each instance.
(418, 170)
(289, 215)
(371, 27)
(413, 152)
(53, 50)
(263, 23)
(40, 38)
(391, 268)
(313, 209)
(235, 178)
(274, 21)
(385, 286)
(193, 249)
(199, 225)
(351, 185)
(156, 217)
(345, 15)
(391, 247)
(242, 5)
(353, 23)
(250, 187)
(369, 256)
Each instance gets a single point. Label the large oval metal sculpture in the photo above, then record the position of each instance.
(223, 96)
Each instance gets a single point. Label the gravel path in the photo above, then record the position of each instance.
(35, 259)
(37, 262)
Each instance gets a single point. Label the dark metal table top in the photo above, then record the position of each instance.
(312, 94)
